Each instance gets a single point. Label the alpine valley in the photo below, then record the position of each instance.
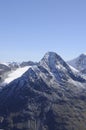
(49, 95)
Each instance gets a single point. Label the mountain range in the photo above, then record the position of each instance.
(49, 95)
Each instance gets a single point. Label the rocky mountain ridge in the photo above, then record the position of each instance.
(48, 96)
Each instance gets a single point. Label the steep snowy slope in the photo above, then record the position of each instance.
(13, 70)
(16, 74)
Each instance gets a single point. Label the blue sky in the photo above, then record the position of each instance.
(30, 28)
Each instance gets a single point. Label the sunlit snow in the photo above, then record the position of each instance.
(16, 74)
(74, 69)
(4, 63)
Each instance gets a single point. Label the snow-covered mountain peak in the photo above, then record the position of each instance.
(50, 53)
(50, 56)
(83, 55)
(51, 60)
(56, 66)
(79, 63)
(51, 64)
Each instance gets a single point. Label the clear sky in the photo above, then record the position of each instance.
(30, 28)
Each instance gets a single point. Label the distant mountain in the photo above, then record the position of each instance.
(4, 67)
(48, 96)
(79, 63)
(13, 65)
(27, 63)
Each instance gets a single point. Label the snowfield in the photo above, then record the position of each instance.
(16, 74)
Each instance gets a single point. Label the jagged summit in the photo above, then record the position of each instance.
(51, 56)
(83, 54)
(52, 60)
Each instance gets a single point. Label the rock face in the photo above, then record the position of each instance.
(49, 96)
